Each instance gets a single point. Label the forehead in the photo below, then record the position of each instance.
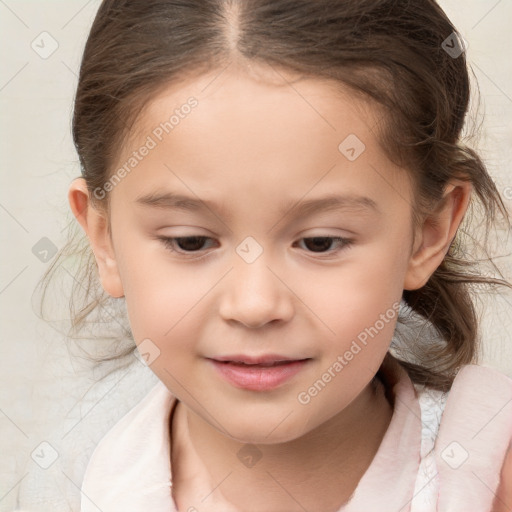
(252, 131)
(268, 99)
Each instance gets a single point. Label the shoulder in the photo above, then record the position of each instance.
(130, 467)
(146, 412)
(480, 400)
(484, 389)
(482, 373)
(141, 430)
(474, 439)
(497, 390)
(478, 393)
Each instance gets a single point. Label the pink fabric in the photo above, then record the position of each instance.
(130, 468)
(389, 481)
(477, 423)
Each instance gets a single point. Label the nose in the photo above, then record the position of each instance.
(254, 295)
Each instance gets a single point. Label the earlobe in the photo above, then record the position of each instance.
(436, 234)
(95, 224)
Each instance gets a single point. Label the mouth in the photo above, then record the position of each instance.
(260, 365)
(262, 360)
(257, 373)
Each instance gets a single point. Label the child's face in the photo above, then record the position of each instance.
(255, 286)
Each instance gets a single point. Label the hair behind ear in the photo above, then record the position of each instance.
(446, 302)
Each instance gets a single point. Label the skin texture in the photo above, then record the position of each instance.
(503, 499)
(257, 141)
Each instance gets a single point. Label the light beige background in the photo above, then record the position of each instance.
(46, 394)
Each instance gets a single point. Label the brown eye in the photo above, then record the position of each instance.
(318, 244)
(322, 244)
(185, 244)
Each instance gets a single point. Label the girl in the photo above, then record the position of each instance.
(276, 190)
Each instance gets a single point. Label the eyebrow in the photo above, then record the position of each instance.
(174, 201)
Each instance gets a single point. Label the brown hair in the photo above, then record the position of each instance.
(395, 53)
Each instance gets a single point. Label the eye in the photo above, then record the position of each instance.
(321, 244)
(184, 244)
(188, 245)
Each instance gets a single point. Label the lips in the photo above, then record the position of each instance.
(263, 360)
(261, 365)
(261, 373)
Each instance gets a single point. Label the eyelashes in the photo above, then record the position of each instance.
(192, 246)
(170, 242)
(344, 242)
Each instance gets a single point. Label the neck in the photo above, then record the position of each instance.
(318, 471)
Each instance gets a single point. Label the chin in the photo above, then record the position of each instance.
(261, 433)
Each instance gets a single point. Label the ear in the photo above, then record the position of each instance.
(434, 236)
(95, 224)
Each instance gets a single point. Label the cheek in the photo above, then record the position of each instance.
(165, 318)
(169, 305)
(162, 304)
(357, 292)
(159, 295)
(357, 306)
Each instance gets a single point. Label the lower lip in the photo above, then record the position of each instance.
(258, 378)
